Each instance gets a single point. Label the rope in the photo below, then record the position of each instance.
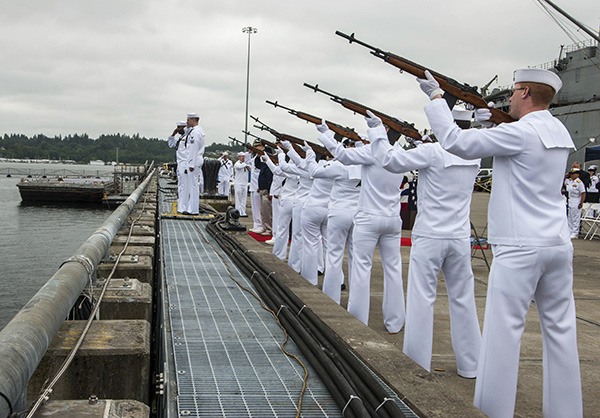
(352, 397)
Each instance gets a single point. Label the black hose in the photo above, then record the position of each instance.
(328, 354)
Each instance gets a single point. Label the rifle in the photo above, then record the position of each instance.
(318, 149)
(264, 141)
(396, 125)
(255, 150)
(452, 88)
(340, 130)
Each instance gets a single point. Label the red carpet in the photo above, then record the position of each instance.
(258, 237)
(405, 242)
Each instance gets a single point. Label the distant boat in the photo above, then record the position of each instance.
(65, 190)
(97, 162)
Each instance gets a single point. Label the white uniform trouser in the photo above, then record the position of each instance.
(282, 228)
(194, 191)
(200, 182)
(453, 257)
(255, 206)
(241, 194)
(385, 231)
(275, 204)
(183, 190)
(295, 257)
(314, 231)
(224, 187)
(574, 219)
(519, 275)
(339, 234)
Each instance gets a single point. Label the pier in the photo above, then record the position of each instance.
(181, 332)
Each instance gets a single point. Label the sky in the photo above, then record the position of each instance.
(138, 66)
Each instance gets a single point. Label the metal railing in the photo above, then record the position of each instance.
(25, 339)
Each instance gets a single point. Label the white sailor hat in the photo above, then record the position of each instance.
(459, 113)
(593, 167)
(537, 75)
(193, 116)
(181, 123)
(241, 154)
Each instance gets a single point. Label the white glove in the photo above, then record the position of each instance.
(372, 120)
(286, 145)
(264, 158)
(322, 127)
(278, 151)
(430, 85)
(310, 154)
(483, 115)
(305, 147)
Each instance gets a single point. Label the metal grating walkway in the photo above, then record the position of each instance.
(226, 351)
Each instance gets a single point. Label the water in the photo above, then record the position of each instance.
(35, 240)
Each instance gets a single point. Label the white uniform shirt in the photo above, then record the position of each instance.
(254, 172)
(575, 188)
(345, 190)
(526, 207)
(444, 188)
(593, 184)
(225, 169)
(380, 189)
(290, 184)
(196, 140)
(181, 151)
(240, 172)
(304, 182)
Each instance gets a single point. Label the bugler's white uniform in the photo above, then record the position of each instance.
(377, 222)
(343, 205)
(533, 257)
(575, 188)
(281, 229)
(440, 241)
(181, 156)
(224, 176)
(195, 140)
(240, 185)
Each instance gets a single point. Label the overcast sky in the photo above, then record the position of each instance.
(139, 66)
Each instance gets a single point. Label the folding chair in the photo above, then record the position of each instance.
(590, 220)
(479, 243)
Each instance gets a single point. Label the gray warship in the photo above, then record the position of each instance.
(577, 104)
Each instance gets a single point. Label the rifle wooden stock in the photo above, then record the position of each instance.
(335, 127)
(255, 150)
(460, 91)
(397, 125)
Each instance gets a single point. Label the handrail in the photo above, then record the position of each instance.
(25, 339)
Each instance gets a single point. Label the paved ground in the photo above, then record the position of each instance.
(442, 392)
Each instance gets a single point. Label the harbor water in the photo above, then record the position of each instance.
(37, 239)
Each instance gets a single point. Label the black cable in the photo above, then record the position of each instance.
(8, 402)
(350, 368)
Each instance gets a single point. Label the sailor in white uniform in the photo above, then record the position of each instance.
(282, 222)
(304, 186)
(255, 201)
(176, 141)
(274, 194)
(343, 205)
(377, 223)
(195, 139)
(575, 197)
(533, 255)
(240, 182)
(440, 242)
(224, 175)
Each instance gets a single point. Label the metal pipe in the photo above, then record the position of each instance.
(25, 339)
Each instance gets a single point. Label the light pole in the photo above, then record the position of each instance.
(249, 30)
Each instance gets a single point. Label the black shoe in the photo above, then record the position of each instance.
(320, 273)
(343, 286)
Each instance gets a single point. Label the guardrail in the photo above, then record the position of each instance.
(25, 339)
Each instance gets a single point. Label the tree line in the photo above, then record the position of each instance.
(83, 149)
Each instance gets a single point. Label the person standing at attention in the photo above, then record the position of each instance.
(533, 253)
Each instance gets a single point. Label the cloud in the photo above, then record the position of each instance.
(139, 66)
